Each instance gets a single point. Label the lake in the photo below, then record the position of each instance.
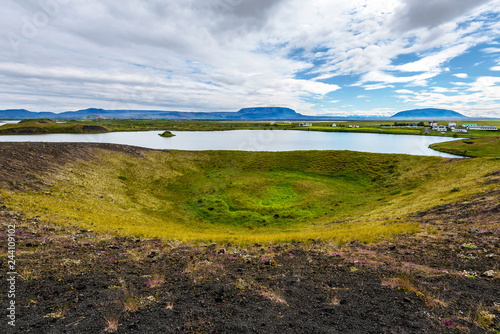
(254, 140)
(8, 122)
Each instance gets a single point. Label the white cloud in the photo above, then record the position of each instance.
(479, 98)
(405, 91)
(434, 61)
(495, 68)
(491, 50)
(461, 75)
(442, 90)
(225, 54)
(377, 86)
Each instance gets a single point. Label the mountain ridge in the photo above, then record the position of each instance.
(255, 113)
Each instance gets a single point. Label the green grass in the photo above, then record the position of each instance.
(476, 147)
(167, 134)
(252, 196)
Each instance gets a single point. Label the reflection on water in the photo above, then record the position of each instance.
(255, 140)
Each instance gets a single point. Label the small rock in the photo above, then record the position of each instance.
(222, 251)
(152, 254)
(489, 274)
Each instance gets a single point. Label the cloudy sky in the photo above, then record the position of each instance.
(336, 57)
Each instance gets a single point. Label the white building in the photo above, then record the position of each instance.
(439, 128)
(334, 124)
(433, 124)
(305, 124)
(452, 125)
(486, 127)
(459, 130)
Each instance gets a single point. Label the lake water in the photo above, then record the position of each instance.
(8, 122)
(254, 140)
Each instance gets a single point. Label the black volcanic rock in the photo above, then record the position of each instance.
(428, 113)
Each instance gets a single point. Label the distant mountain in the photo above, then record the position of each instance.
(268, 113)
(23, 113)
(261, 113)
(428, 113)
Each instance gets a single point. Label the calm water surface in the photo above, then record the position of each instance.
(254, 140)
(8, 122)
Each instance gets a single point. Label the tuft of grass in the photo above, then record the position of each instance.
(61, 311)
(130, 300)
(484, 318)
(432, 230)
(405, 283)
(111, 316)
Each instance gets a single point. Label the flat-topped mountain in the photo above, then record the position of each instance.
(428, 113)
(268, 112)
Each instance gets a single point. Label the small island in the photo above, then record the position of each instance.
(167, 134)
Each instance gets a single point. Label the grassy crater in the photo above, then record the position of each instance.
(252, 196)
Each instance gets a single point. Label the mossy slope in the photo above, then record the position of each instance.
(253, 196)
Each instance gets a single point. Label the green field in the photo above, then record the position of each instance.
(252, 196)
(474, 147)
(388, 127)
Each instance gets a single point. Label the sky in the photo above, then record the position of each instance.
(318, 57)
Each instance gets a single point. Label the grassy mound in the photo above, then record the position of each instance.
(251, 196)
(40, 126)
(167, 134)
